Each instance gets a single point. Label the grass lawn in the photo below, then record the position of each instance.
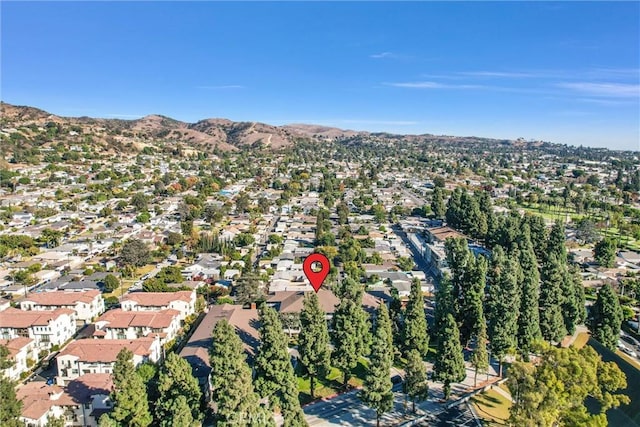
(144, 270)
(492, 407)
(330, 385)
(552, 213)
(581, 340)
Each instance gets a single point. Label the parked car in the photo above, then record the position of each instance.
(631, 340)
(630, 352)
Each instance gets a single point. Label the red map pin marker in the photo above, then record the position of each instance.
(316, 268)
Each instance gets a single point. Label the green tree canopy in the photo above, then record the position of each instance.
(135, 253)
(551, 299)
(605, 252)
(131, 406)
(313, 340)
(177, 383)
(377, 388)
(554, 391)
(274, 376)
(350, 336)
(605, 317)
(231, 386)
(416, 334)
(449, 364)
(503, 304)
(415, 381)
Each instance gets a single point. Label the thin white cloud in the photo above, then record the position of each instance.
(607, 90)
(602, 73)
(221, 87)
(607, 102)
(574, 113)
(382, 55)
(433, 85)
(498, 74)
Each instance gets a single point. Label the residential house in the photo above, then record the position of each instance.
(206, 266)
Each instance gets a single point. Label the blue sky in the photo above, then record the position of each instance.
(564, 72)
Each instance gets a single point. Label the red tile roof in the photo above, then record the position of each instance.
(106, 351)
(38, 398)
(158, 299)
(14, 318)
(153, 319)
(16, 344)
(61, 298)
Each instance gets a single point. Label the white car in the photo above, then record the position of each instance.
(629, 352)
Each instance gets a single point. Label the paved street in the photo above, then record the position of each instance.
(347, 409)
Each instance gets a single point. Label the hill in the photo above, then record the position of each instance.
(28, 133)
(26, 128)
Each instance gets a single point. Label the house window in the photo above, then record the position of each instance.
(45, 338)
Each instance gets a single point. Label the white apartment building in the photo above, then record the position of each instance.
(97, 356)
(120, 324)
(22, 352)
(80, 403)
(46, 328)
(87, 304)
(182, 301)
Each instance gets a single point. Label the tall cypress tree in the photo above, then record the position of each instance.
(529, 318)
(131, 405)
(504, 302)
(350, 337)
(275, 378)
(437, 203)
(444, 303)
(556, 244)
(471, 311)
(573, 309)
(416, 336)
(458, 259)
(468, 285)
(396, 313)
(480, 357)
(538, 232)
(605, 317)
(176, 381)
(313, 340)
(416, 384)
(377, 388)
(551, 299)
(231, 386)
(179, 414)
(449, 365)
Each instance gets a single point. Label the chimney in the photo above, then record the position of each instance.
(253, 306)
